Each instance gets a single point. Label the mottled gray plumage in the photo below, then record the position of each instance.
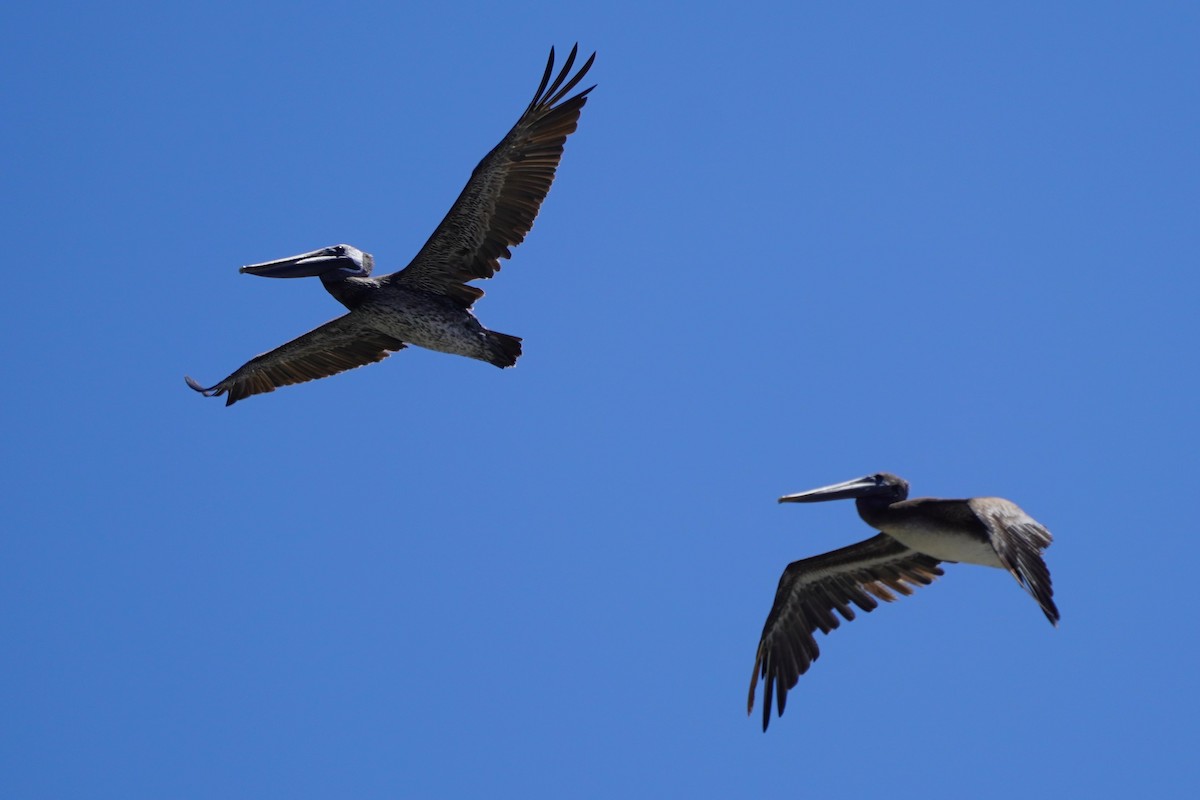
(917, 535)
(428, 303)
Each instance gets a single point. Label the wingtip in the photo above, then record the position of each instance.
(754, 675)
(759, 673)
(550, 93)
(588, 64)
(210, 391)
(196, 387)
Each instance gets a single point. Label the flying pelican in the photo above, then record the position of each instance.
(917, 536)
(428, 303)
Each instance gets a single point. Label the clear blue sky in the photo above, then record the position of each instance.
(786, 247)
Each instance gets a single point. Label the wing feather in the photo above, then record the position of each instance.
(497, 207)
(336, 346)
(810, 591)
(1019, 540)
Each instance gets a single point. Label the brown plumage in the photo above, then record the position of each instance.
(428, 303)
(334, 347)
(811, 589)
(497, 207)
(917, 536)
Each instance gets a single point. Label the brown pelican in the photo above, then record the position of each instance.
(428, 302)
(917, 536)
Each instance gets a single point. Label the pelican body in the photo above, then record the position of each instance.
(428, 303)
(916, 536)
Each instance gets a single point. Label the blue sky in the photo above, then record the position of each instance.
(788, 246)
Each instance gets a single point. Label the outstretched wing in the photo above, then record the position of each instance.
(812, 589)
(500, 201)
(1019, 540)
(336, 346)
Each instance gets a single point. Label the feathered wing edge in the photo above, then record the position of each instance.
(810, 591)
(497, 207)
(1019, 540)
(336, 346)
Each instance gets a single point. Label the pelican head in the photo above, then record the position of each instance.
(880, 486)
(337, 262)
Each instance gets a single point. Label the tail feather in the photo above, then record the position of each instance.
(503, 350)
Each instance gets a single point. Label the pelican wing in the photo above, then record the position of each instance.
(1019, 540)
(810, 591)
(499, 203)
(336, 346)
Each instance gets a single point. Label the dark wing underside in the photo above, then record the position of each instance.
(812, 589)
(500, 201)
(336, 346)
(1019, 540)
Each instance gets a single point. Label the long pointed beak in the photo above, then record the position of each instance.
(305, 265)
(859, 487)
